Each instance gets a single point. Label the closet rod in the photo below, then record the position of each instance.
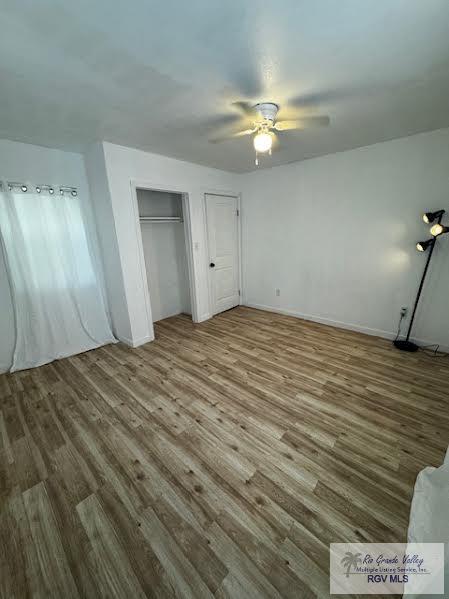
(160, 219)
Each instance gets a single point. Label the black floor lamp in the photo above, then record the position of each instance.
(436, 230)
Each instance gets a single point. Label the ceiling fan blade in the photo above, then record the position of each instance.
(217, 140)
(246, 108)
(276, 144)
(305, 122)
(245, 132)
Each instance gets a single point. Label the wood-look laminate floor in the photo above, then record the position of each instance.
(220, 460)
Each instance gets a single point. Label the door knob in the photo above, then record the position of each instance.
(212, 264)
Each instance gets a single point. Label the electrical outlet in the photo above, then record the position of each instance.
(404, 311)
(278, 292)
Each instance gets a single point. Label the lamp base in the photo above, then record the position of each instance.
(405, 345)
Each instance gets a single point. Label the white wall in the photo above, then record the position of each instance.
(107, 235)
(124, 165)
(34, 164)
(166, 267)
(164, 248)
(337, 236)
(159, 203)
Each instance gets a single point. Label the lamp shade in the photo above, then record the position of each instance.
(438, 230)
(422, 246)
(429, 217)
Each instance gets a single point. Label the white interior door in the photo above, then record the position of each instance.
(224, 260)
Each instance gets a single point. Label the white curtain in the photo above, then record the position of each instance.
(429, 516)
(59, 309)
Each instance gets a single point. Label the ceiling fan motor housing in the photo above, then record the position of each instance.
(267, 110)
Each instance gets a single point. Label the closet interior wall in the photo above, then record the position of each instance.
(164, 247)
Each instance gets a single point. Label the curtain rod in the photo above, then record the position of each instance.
(24, 187)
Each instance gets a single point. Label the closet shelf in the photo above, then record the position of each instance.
(160, 219)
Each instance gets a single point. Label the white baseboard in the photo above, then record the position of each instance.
(203, 317)
(136, 342)
(342, 325)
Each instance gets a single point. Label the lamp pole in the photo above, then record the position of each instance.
(406, 344)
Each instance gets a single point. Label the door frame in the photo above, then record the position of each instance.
(238, 197)
(186, 206)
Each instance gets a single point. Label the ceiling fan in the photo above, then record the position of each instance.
(264, 125)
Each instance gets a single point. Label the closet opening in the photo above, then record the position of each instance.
(165, 246)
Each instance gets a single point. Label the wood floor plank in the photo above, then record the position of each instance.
(241, 565)
(20, 572)
(182, 574)
(58, 577)
(143, 561)
(220, 460)
(116, 576)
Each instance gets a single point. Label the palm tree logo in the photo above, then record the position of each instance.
(351, 560)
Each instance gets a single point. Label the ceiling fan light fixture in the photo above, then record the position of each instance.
(264, 126)
(262, 142)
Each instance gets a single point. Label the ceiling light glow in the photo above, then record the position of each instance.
(262, 142)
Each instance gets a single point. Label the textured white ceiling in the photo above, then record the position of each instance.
(162, 76)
